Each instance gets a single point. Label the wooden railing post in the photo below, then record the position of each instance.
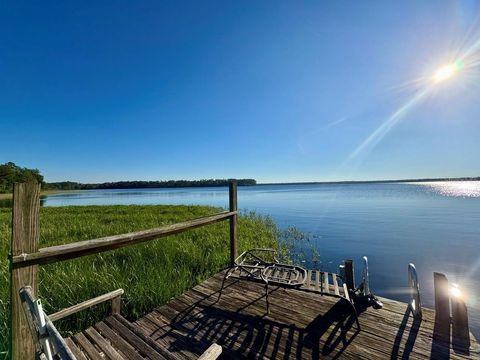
(460, 328)
(232, 192)
(442, 298)
(25, 236)
(349, 275)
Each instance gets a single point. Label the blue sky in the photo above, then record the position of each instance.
(276, 91)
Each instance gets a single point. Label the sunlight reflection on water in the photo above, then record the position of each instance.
(454, 188)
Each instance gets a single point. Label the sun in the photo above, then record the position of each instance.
(446, 72)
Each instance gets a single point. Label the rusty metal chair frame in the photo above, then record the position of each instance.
(261, 270)
(258, 268)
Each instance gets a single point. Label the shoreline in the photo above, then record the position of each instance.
(9, 196)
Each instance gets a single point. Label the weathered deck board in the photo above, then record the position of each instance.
(301, 324)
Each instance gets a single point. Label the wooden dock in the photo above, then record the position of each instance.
(301, 325)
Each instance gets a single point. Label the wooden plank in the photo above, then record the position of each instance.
(317, 280)
(103, 344)
(75, 350)
(119, 343)
(87, 304)
(232, 200)
(87, 347)
(335, 284)
(25, 236)
(213, 330)
(138, 332)
(165, 337)
(326, 287)
(82, 248)
(166, 330)
(138, 343)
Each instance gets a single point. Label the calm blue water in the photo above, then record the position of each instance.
(434, 225)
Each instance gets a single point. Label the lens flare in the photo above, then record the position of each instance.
(378, 134)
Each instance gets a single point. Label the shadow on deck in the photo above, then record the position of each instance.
(300, 325)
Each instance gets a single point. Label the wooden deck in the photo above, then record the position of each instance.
(301, 325)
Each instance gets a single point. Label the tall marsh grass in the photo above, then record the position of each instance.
(150, 273)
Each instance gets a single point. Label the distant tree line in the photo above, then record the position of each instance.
(11, 173)
(69, 185)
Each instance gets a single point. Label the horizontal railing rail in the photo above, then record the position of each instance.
(58, 253)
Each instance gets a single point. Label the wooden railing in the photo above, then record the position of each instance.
(58, 253)
(26, 256)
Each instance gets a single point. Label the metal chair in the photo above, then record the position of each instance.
(250, 265)
(49, 343)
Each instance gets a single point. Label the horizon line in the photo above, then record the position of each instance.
(463, 178)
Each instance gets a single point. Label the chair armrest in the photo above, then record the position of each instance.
(113, 295)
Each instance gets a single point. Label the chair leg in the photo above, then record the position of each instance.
(355, 313)
(225, 277)
(229, 272)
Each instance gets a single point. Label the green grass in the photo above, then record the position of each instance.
(150, 273)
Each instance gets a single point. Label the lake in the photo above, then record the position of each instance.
(435, 225)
